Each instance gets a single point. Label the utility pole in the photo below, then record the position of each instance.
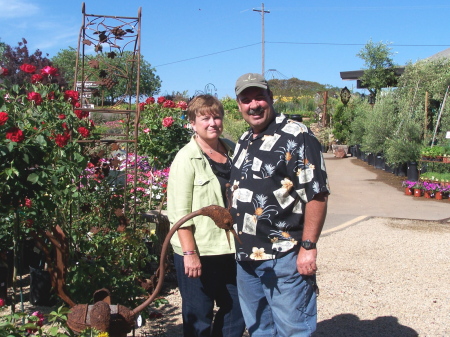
(262, 11)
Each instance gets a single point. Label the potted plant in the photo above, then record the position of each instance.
(409, 185)
(417, 188)
(429, 189)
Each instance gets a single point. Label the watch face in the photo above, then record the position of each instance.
(308, 244)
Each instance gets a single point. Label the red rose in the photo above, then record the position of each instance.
(64, 126)
(92, 122)
(141, 106)
(167, 122)
(2, 302)
(150, 100)
(29, 222)
(62, 116)
(81, 113)
(4, 71)
(182, 105)
(50, 71)
(35, 97)
(51, 95)
(161, 99)
(83, 131)
(15, 134)
(71, 96)
(36, 78)
(62, 140)
(169, 104)
(28, 68)
(28, 203)
(3, 118)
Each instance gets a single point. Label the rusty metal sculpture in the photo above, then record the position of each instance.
(117, 319)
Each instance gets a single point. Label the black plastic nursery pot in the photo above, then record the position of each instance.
(412, 171)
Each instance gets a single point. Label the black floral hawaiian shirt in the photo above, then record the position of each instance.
(273, 177)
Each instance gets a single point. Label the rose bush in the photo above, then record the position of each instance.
(163, 130)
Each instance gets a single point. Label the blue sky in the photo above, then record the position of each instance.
(193, 44)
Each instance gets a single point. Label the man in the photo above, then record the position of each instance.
(279, 190)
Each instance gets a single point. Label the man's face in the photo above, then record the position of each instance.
(255, 105)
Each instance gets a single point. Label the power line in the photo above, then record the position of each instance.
(197, 57)
(300, 43)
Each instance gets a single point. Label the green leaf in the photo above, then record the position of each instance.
(33, 177)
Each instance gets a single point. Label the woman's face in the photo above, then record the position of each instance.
(208, 126)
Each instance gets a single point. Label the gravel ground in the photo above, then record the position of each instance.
(380, 277)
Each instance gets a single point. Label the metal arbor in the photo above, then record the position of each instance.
(101, 39)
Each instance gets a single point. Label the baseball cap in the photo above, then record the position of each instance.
(250, 80)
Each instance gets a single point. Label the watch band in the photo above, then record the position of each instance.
(307, 244)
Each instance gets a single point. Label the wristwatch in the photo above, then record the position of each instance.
(307, 244)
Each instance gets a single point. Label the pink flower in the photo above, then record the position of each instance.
(147, 130)
(2, 302)
(35, 97)
(39, 322)
(83, 131)
(161, 99)
(182, 105)
(169, 104)
(150, 100)
(167, 122)
(50, 71)
(3, 117)
(28, 68)
(15, 134)
(36, 78)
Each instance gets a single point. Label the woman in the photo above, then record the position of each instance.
(204, 259)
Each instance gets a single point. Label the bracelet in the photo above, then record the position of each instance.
(190, 252)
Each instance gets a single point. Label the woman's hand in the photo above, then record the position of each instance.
(192, 265)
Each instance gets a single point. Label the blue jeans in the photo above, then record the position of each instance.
(217, 284)
(275, 299)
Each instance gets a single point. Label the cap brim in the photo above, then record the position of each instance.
(241, 89)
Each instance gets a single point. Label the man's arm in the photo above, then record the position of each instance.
(315, 213)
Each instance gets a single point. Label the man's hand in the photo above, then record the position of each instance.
(306, 261)
(192, 265)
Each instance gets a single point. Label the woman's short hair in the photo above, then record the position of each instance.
(204, 105)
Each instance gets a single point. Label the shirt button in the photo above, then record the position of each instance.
(242, 178)
(238, 214)
(240, 232)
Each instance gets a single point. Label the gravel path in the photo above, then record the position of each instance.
(380, 277)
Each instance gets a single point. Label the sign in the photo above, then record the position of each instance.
(447, 135)
(87, 84)
(86, 94)
(88, 106)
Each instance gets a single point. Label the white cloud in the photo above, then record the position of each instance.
(17, 9)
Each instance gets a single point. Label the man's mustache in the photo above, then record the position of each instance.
(253, 112)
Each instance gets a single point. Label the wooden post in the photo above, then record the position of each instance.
(325, 101)
(425, 127)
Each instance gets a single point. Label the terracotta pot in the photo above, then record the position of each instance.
(427, 194)
(408, 191)
(417, 192)
(438, 195)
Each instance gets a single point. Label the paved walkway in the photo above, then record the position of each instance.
(356, 194)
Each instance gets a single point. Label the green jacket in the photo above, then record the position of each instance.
(191, 186)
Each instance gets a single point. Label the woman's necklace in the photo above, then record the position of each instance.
(216, 150)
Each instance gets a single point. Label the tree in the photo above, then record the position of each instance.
(13, 58)
(379, 72)
(116, 69)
